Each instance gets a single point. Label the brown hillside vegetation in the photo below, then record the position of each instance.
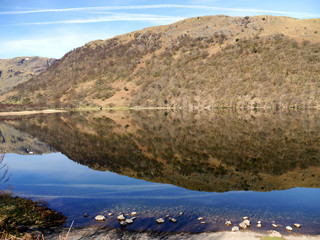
(17, 70)
(214, 61)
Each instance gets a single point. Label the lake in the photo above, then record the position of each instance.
(219, 165)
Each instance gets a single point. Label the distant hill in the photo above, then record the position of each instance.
(212, 61)
(18, 70)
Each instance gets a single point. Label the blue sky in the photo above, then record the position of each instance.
(52, 28)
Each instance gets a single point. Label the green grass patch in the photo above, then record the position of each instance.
(271, 238)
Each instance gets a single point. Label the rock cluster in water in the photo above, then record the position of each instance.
(124, 220)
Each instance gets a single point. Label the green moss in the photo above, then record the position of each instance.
(16, 212)
(271, 238)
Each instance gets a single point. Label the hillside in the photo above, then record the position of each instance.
(213, 61)
(21, 69)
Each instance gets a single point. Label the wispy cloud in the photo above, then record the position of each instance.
(111, 18)
(158, 6)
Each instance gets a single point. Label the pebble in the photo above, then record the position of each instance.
(259, 222)
(160, 220)
(134, 214)
(203, 222)
(129, 221)
(167, 216)
(181, 213)
(134, 218)
(86, 215)
(110, 214)
(297, 225)
(247, 222)
(259, 225)
(228, 223)
(245, 218)
(242, 225)
(123, 223)
(172, 220)
(288, 228)
(200, 218)
(100, 218)
(121, 217)
(274, 225)
(235, 229)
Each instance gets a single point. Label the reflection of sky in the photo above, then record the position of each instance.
(54, 176)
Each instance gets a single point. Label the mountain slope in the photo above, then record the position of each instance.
(214, 61)
(17, 70)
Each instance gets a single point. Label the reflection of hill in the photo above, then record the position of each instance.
(211, 151)
(14, 141)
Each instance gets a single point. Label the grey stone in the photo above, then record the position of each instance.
(121, 218)
(100, 218)
(172, 220)
(160, 220)
(235, 229)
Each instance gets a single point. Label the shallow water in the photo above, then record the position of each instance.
(217, 165)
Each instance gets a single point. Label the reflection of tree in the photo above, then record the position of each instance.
(3, 171)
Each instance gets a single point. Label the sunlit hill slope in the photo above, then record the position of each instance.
(212, 61)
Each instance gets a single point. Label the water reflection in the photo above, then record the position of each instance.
(225, 151)
(204, 150)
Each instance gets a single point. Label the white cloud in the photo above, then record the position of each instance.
(158, 6)
(110, 18)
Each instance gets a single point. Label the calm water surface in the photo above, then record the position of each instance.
(217, 165)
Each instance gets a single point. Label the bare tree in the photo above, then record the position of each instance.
(3, 168)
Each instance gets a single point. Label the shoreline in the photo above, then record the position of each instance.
(31, 112)
(107, 233)
(46, 111)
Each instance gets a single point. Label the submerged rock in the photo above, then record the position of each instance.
(160, 220)
(100, 218)
(123, 223)
(245, 218)
(235, 229)
(297, 225)
(228, 223)
(203, 222)
(85, 215)
(172, 220)
(134, 214)
(274, 225)
(288, 228)
(242, 225)
(129, 221)
(200, 218)
(121, 218)
(245, 224)
(259, 225)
